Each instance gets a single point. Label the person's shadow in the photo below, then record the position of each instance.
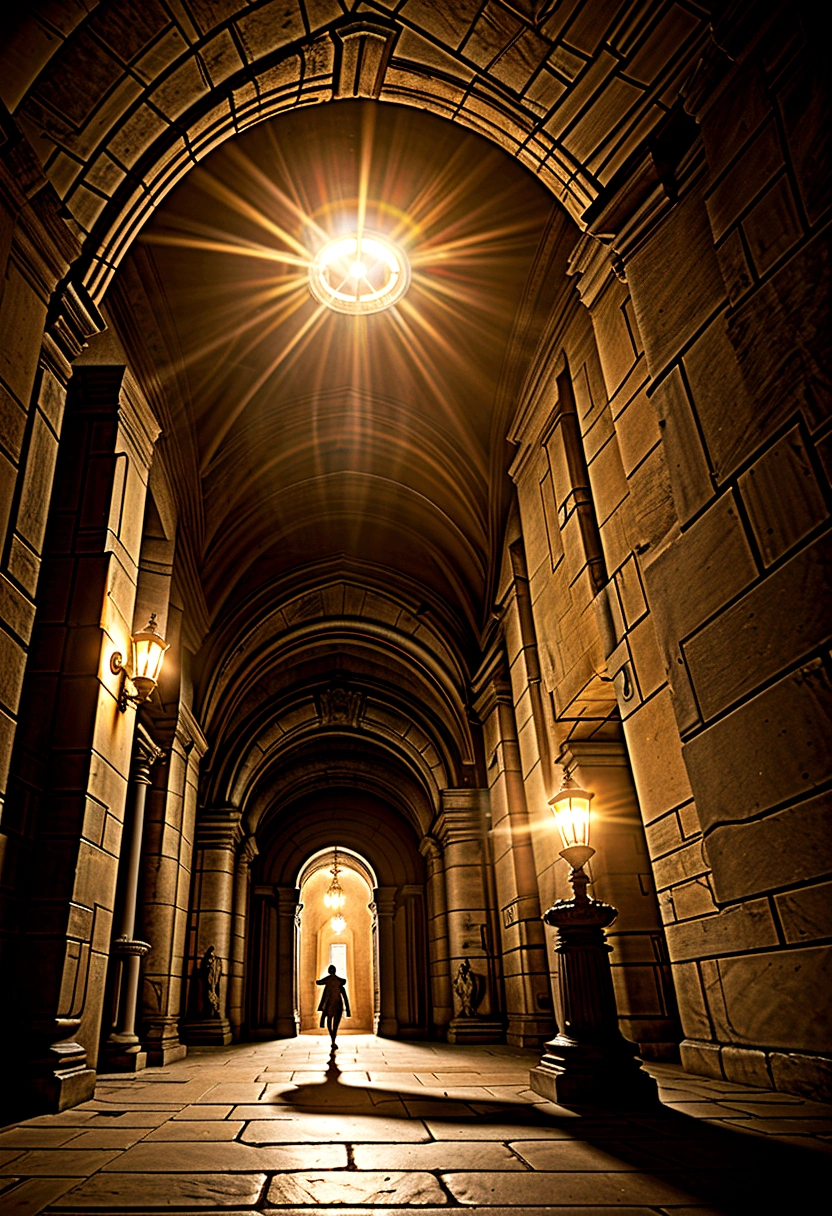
(731, 1172)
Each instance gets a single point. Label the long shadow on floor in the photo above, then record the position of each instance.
(737, 1173)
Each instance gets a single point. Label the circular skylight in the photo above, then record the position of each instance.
(359, 275)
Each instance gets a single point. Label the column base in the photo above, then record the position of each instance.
(159, 1054)
(285, 1028)
(475, 1030)
(161, 1041)
(61, 1090)
(58, 1078)
(387, 1028)
(526, 1030)
(209, 1032)
(604, 1074)
(126, 1061)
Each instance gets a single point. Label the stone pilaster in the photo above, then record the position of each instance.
(169, 837)
(287, 1014)
(239, 934)
(218, 833)
(525, 970)
(385, 906)
(438, 947)
(461, 829)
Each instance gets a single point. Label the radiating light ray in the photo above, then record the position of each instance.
(240, 248)
(497, 240)
(413, 353)
(441, 194)
(234, 413)
(218, 190)
(418, 319)
(449, 295)
(274, 191)
(260, 320)
(368, 125)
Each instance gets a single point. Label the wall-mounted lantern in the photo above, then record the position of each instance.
(147, 652)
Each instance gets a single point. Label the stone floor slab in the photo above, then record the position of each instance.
(523, 1190)
(197, 1130)
(495, 1131)
(198, 1112)
(27, 1136)
(114, 1192)
(187, 1157)
(108, 1137)
(233, 1092)
(370, 1187)
(572, 1155)
(59, 1162)
(449, 1155)
(33, 1195)
(301, 1128)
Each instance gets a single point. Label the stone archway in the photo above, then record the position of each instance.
(383, 849)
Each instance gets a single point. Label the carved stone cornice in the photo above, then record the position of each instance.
(647, 185)
(73, 320)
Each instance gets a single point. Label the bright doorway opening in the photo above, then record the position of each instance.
(342, 937)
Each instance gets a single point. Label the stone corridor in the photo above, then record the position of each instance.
(280, 1126)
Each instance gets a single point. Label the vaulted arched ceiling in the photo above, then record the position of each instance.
(317, 436)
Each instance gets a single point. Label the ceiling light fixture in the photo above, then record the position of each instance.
(359, 274)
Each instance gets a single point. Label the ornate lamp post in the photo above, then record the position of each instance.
(589, 1060)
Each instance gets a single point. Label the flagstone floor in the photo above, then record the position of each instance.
(385, 1125)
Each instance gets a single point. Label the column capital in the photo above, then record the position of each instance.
(385, 900)
(430, 848)
(463, 816)
(219, 828)
(247, 852)
(145, 754)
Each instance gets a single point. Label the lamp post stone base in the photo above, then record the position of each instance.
(589, 1060)
(570, 1072)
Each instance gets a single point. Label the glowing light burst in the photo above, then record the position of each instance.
(358, 271)
(359, 274)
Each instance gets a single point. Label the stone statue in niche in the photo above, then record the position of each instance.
(467, 989)
(339, 706)
(210, 974)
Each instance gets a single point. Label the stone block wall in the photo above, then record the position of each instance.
(728, 295)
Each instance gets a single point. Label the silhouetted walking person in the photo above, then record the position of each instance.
(334, 1001)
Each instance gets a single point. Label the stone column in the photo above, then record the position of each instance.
(124, 1049)
(438, 949)
(528, 993)
(461, 828)
(217, 835)
(66, 816)
(236, 982)
(288, 908)
(168, 852)
(385, 901)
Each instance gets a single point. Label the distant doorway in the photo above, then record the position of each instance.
(343, 938)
